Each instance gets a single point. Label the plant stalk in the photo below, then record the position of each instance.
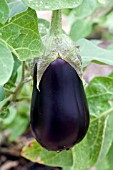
(56, 22)
(14, 95)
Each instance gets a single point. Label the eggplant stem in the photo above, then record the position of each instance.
(56, 22)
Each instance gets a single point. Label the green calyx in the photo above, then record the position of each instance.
(57, 44)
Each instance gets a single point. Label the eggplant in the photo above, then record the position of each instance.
(59, 115)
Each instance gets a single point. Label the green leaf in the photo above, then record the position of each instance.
(34, 152)
(22, 36)
(11, 116)
(80, 158)
(108, 22)
(110, 47)
(85, 9)
(103, 165)
(89, 52)
(107, 163)
(13, 78)
(6, 64)
(107, 137)
(43, 26)
(100, 98)
(86, 153)
(66, 168)
(4, 11)
(16, 7)
(3, 102)
(18, 126)
(100, 88)
(17, 63)
(111, 75)
(105, 2)
(4, 114)
(110, 157)
(2, 93)
(78, 32)
(42, 5)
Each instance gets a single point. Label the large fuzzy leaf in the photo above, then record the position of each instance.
(21, 35)
(42, 5)
(36, 153)
(4, 11)
(6, 63)
(89, 52)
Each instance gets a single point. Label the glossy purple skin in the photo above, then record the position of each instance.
(59, 111)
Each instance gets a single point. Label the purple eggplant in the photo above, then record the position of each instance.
(59, 110)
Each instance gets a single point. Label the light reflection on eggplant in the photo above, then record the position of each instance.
(59, 110)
